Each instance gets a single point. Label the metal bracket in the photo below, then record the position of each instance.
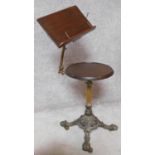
(61, 65)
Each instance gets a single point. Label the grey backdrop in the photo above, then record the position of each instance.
(59, 97)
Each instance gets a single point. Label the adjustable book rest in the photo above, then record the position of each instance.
(65, 26)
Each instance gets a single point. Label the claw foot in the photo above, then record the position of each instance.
(87, 147)
(113, 127)
(65, 124)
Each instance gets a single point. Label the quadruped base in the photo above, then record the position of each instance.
(88, 122)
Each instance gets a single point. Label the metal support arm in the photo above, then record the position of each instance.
(61, 65)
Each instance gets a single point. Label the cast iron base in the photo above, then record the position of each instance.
(88, 122)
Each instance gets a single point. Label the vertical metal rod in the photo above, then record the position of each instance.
(61, 65)
(89, 93)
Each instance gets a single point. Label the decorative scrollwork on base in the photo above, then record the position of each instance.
(88, 122)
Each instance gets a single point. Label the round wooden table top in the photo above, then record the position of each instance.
(89, 71)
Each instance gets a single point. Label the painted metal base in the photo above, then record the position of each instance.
(88, 122)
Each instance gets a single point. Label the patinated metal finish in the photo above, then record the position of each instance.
(61, 66)
(88, 122)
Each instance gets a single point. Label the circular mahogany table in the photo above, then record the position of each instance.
(88, 72)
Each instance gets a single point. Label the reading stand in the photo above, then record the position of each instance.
(65, 26)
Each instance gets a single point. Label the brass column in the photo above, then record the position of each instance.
(61, 66)
(89, 93)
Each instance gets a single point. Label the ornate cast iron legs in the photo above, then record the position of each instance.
(61, 66)
(88, 122)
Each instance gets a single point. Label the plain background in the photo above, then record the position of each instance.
(58, 97)
(17, 76)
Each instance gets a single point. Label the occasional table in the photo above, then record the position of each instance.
(88, 72)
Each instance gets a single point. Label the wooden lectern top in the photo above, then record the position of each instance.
(66, 25)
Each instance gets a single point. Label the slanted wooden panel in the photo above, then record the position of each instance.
(66, 25)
